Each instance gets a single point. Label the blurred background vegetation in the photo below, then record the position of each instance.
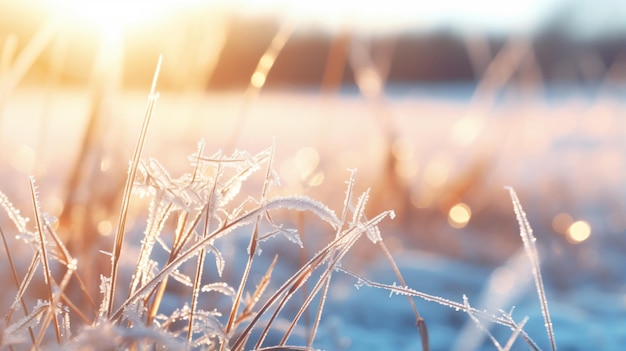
(439, 104)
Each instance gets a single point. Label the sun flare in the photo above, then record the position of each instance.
(111, 18)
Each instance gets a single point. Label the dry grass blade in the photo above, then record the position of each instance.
(256, 296)
(17, 283)
(403, 290)
(526, 232)
(516, 333)
(318, 314)
(332, 254)
(232, 322)
(420, 323)
(46, 264)
(258, 78)
(24, 283)
(199, 268)
(480, 325)
(119, 234)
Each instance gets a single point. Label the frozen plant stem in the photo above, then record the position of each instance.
(529, 239)
(119, 234)
(46, 266)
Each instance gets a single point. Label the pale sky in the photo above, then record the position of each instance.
(495, 16)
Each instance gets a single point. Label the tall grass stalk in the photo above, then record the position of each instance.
(526, 232)
(258, 79)
(121, 225)
(46, 265)
(16, 279)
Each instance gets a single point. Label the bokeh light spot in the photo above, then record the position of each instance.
(105, 228)
(561, 222)
(370, 83)
(578, 232)
(258, 79)
(459, 215)
(105, 164)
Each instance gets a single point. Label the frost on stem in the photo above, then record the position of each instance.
(13, 213)
(530, 247)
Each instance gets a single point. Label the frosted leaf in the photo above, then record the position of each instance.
(135, 312)
(219, 259)
(293, 236)
(20, 327)
(304, 203)
(13, 213)
(105, 291)
(158, 212)
(233, 186)
(181, 278)
(207, 323)
(274, 177)
(66, 331)
(25, 282)
(247, 166)
(219, 287)
(359, 211)
(372, 232)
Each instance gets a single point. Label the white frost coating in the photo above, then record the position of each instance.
(359, 211)
(529, 239)
(220, 262)
(292, 235)
(13, 213)
(20, 327)
(304, 203)
(181, 278)
(219, 287)
(105, 290)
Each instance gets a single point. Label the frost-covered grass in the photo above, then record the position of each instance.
(184, 288)
(211, 251)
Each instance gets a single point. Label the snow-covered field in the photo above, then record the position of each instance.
(421, 154)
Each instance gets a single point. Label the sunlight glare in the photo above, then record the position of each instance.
(111, 18)
(578, 232)
(459, 215)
